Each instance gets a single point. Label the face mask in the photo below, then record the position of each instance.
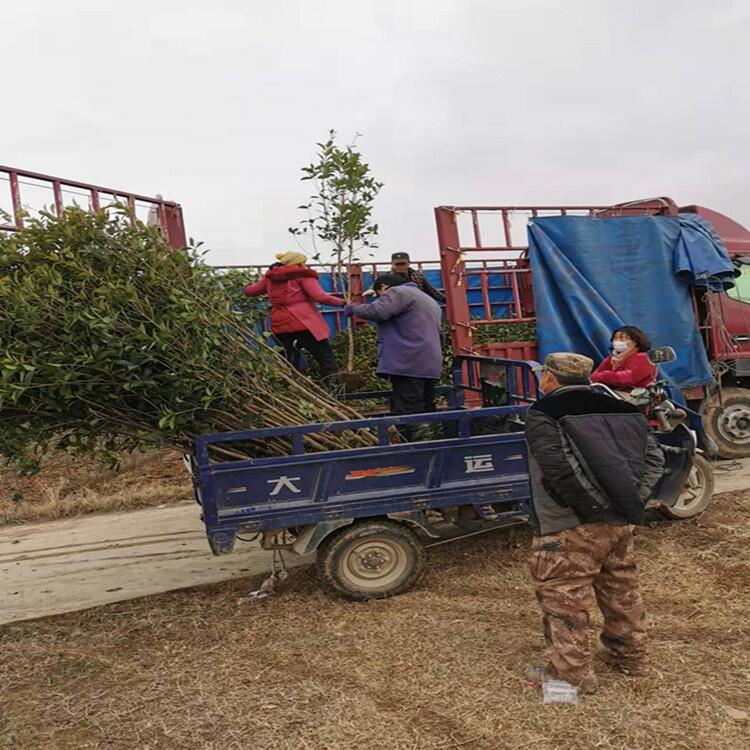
(619, 346)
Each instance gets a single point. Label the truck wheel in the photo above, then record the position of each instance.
(728, 423)
(696, 495)
(370, 560)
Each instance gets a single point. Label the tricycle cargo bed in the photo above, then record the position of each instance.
(298, 490)
(461, 466)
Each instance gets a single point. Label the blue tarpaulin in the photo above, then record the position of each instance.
(592, 275)
(700, 256)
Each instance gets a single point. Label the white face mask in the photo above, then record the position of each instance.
(619, 346)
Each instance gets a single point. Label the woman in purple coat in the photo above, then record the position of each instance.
(410, 341)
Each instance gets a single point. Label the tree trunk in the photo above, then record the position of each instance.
(350, 354)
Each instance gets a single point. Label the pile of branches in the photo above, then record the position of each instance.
(110, 341)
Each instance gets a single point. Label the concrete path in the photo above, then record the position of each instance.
(62, 566)
(732, 476)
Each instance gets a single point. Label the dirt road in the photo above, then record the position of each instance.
(438, 668)
(69, 565)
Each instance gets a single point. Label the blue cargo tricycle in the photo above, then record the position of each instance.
(367, 512)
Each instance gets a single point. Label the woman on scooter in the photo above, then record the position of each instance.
(628, 366)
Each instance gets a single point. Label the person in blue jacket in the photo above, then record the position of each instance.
(410, 341)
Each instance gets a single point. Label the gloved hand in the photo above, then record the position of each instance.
(348, 310)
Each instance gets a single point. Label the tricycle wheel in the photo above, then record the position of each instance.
(370, 560)
(696, 495)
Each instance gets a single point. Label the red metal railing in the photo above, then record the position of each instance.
(23, 193)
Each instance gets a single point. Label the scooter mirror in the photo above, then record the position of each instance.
(662, 354)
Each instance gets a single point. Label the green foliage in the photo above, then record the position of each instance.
(232, 282)
(340, 211)
(110, 340)
(504, 333)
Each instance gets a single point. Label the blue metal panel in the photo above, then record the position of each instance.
(289, 491)
(264, 485)
(486, 462)
(500, 295)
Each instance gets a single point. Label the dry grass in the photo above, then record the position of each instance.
(436, 668)
(76, 485)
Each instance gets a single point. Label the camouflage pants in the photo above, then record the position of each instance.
(572, 566)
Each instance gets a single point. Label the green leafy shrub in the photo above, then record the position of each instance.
(110, 340)
(504, 333)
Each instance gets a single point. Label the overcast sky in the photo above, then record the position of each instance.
(217, 104)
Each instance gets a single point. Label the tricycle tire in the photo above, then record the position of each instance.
(370, 560)
(696, 496)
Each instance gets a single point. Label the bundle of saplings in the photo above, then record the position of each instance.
(110, 341)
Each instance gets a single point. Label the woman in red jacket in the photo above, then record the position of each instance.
(296, 322)
(628, 366)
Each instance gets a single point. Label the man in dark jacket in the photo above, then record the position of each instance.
(410, 350)
(400, 264)
(592, 463)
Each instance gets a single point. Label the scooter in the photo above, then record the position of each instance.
(687, 485)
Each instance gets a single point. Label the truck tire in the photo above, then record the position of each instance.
(727, 421)
(696, 496)
(370, 560)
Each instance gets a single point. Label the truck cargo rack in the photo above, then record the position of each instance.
(24, 194)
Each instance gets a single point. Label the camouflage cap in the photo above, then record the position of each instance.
(569, 365)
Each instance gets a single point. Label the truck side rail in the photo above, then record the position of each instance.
(474, 290)
(518, 377)
(291, 491)
(31, 191)
(479, 459)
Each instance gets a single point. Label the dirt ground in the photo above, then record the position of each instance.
(75, 485)
(435, 668)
